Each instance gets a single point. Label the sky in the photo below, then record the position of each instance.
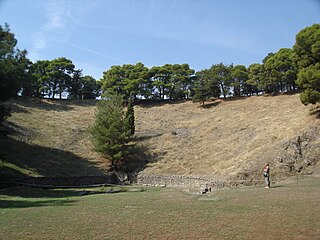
(97, 34)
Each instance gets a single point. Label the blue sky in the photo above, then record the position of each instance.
(97, 34)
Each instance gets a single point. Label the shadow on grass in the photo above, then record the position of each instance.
(28, 204)
(210, 105)
(316, 112)
(277, 186)
(21, 105)
(14, 129)
(143, 138)
(157, 103)
(138, 157)
(24, 197)
(28, 192)
(24, 160)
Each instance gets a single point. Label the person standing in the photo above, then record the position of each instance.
(266, 175)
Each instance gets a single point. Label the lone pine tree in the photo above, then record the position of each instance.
(112, 128)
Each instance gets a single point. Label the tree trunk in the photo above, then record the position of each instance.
(54, 91)
(223, 92)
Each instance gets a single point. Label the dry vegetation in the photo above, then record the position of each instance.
(50, 138)
(219, 139)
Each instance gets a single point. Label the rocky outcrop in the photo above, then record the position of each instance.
(300, 154)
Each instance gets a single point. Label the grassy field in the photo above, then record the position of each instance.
(286, 211)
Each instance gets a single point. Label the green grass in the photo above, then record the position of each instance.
(286, 211)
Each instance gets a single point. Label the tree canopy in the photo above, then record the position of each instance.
(307, 57)
(14, 65)
(282, 71)
(307, 46)
(112, 128)
(14, 69)
(287, 70)
(171, 81)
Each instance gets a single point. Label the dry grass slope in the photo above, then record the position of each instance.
(223, 138)
(50, 137)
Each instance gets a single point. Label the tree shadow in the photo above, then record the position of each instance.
(14, 108)
(80, 103)
(316, 112)
(14, 129)
(28, 204)
(157, 103)
(210, 105)
(23, 160)
(277, 186)
(32, 192)
(137, 159)
(230, 99)
(280, 93)
(22, 104)
(143, 138)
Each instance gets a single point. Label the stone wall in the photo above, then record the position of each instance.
(189, 182)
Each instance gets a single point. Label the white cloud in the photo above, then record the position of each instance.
(170, 20)
(55, 12)
(91, 51)
(39, 43)
(58, 17)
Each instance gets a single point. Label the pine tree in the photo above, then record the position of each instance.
(130, 118)
(110, 132)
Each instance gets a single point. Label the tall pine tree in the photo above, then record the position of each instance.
(112, 128)
(130, 118)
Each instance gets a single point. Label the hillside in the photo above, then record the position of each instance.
(224, 139)
(230, 138)
(50, 138)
